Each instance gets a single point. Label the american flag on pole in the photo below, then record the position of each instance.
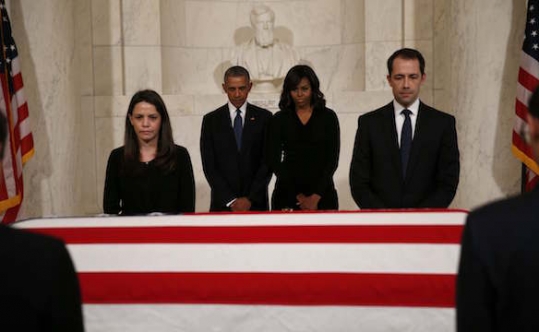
(278, 272)
(528, 79)
(20, 144)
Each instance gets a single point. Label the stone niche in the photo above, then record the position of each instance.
(181, 48)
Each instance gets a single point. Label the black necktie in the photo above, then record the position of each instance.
(406, 140)
(238, 128)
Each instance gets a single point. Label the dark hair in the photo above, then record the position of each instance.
(291, 82)
(408, 54)
(166, 150)
(533, 103)
(3, 134)
(236, 71)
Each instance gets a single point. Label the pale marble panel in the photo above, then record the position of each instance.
(441, 45)
(192, 71)
(111, 106)
(207, 103)
(173, 22)
(383, 20)
(418, 19)
(484, 66)
(108, 71)
(359, 102)
(50, 71)
(187, 133)
(209, 23)
(376, 55)
(106, 22)
(348, 126)
(269, 101)
(427, 96)
(141, 22)
(107, 106)
(142, 68)
(178, 105)
(310, 22)
(86, 160)
(442, 102)
(353, 26)
(338, 67)
(83, 43)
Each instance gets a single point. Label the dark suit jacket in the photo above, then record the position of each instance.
(498, 279)
(433, 168)
(232, 173)
(39, 289)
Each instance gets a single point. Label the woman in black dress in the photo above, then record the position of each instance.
(303, 145)
(149, 173)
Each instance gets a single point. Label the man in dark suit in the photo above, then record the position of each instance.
(405, 153)
(498, 279)
(39, 289)
(232, 148)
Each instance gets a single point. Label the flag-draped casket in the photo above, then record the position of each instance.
(347, 271)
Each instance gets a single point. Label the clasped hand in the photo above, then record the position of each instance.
(308, 202)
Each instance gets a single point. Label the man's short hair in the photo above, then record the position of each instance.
(261, 10)
(237, 71)
(408, 54)
(533, 103)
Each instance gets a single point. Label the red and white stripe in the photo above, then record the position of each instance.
(267, 272)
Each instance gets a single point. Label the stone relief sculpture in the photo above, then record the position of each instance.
(267, 59)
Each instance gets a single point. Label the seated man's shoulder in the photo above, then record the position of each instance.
(20, 243)
(24, 236)
(506, 210)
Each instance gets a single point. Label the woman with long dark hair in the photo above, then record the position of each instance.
(303, 145)
(149, 173)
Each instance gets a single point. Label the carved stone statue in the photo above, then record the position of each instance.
(267, 59)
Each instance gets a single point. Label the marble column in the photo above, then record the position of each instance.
(45, 34)
(485, 38)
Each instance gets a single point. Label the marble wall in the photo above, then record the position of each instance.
(82, 60)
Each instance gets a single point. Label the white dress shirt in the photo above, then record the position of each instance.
(399, 118)
(232, 109)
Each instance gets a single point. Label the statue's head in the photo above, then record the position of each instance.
(263, 20)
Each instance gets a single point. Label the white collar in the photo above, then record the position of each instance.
(414, 108)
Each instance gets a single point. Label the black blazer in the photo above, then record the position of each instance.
(232, 173)
(39, 289)
(433, 169)
(498, 279)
